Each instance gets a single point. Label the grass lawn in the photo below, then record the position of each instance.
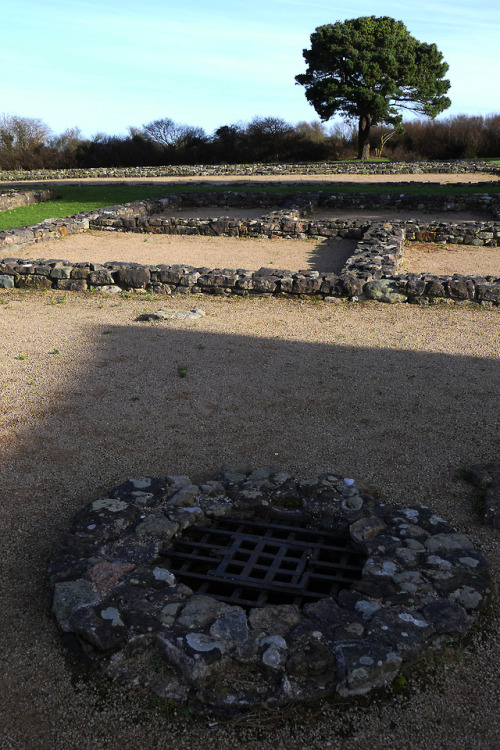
(73, 199)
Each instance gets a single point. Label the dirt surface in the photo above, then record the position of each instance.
(330, 214)
(423, 217)
(423, 257)
(200, 252)
(398, 396)
(443, 179)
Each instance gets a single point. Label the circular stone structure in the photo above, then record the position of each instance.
(260, 588)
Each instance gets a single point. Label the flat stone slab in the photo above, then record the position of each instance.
(115, 599)
(163, 314)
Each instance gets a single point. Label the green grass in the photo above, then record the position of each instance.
(73, 199)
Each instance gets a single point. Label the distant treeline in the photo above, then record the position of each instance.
(27, 143)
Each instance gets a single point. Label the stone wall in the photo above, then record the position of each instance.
(203, 170)
(371, 272)
(15, 198)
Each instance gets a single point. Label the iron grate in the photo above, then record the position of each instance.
(255, 563)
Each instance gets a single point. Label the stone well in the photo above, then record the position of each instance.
(260, 588)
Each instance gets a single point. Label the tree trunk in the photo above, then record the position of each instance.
(365, 122)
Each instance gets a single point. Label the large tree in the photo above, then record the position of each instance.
(368, 69)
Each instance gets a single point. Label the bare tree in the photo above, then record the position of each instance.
(313, 131)
(67, 141)
(384, 138)
(22, 133)
(268, 127)
(267, 137)
(22, 142)
(171, 134)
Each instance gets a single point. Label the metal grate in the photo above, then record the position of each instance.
(255, 563)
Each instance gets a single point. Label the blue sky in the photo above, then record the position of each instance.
(107, 65)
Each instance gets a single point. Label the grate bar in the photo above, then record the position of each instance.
(253, 563)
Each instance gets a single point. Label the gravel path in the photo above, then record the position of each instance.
(399, 396)
(366, 179)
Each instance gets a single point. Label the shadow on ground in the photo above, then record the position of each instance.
(403, 420)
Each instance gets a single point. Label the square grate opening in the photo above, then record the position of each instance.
(255, 563)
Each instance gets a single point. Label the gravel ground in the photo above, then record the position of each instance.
(399, 396)
(426, 257)
(214, 252)
(366, 179)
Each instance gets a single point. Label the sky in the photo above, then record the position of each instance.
(106, 65)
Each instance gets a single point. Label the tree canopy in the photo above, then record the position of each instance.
(368, 69)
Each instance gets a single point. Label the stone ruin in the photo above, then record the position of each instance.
(257, 588)
(371, 272)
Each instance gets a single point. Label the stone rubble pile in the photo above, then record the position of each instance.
(203, 170)
(116, 601)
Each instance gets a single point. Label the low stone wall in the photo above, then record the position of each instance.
(203, 170)
(371, 272)
(15, 198)
(146, 215)
(481, 203)
(124, 277)
(21, 237)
